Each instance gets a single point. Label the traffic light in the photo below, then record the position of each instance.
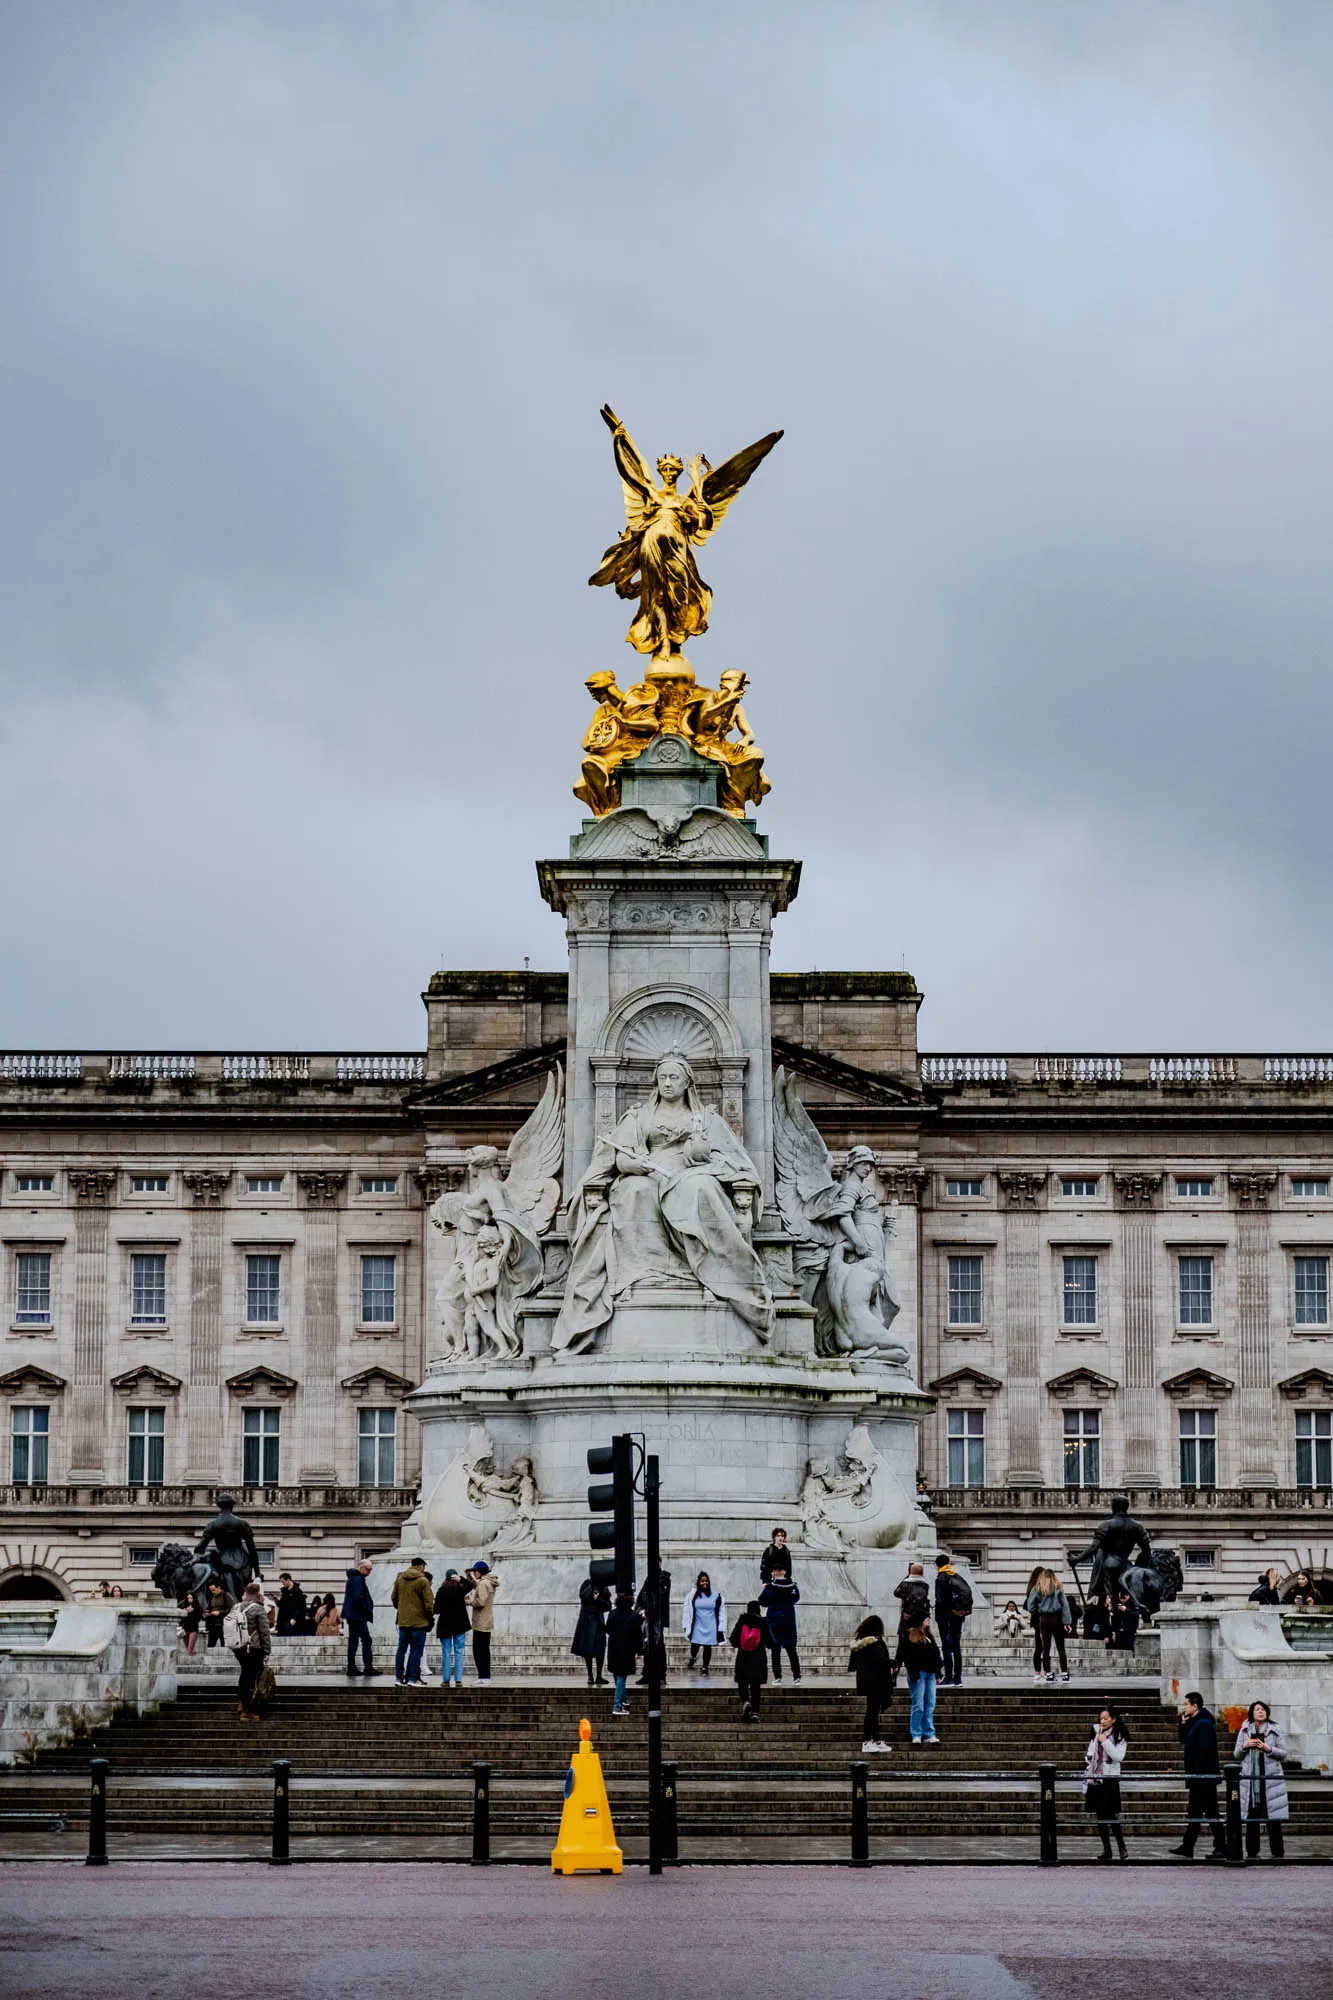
(614, 1497)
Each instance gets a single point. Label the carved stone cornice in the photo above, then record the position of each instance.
(1136, 1190)
(437, 1178)
(1022, 1190)
(1083, 1382)
(207, 1188)
(262, 1382)
(27, 1380)
(966, 1385)
(145, 1381)
(322, 1189)
(1312, 1385)
(377, 1382)
(903, 1184)
(1252, 1190)
(1197, 1382)
(92, 1185)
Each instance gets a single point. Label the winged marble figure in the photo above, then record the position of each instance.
(497, 1224)
(841, 1232)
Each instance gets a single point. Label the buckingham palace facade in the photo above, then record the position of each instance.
(1118, 1279)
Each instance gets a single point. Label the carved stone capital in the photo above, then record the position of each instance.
(321, 1189)
(903, 1184)
(1136, 1191)
(435, 1179)
(206, 1188)
(1252, 1190)
(92, 1185)
(1022, 1190)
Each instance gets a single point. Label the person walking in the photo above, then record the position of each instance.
(624, 1646)
(1262, 1750)
(1102, 1762)
(328, 1619)
(252, 1642)
(1267, 1592)
(220, 1602)
(875, 1674)
(778, 1601)
(953, 1603)
(777, 1556)
(358, 1617)
(415, 1607)
(919, 1654)
(191, 1618)
(1047, 1599)
(481, 1603)
(747, 1636)
(1203, 1775)
(291, 1606)
(704, 1619)
(452, 1626)
(589, 1641)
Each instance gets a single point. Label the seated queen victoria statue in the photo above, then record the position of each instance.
(671, 1195)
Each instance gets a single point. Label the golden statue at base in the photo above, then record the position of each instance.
(628, 719)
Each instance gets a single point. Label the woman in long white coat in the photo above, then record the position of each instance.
(1262, 1749)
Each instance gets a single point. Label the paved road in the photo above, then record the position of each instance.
(319, 1932)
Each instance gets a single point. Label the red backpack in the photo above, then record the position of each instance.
(751, 1638)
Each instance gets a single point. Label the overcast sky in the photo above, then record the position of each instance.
(308, 313)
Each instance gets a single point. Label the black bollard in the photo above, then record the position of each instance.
(97, 1770)
(1235, 1841)
(282, 1813)
(1050, 1854)
(860, 1815)
(481, 1812)
(670, 1825)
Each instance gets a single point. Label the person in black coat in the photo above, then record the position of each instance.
(664, 1607)
(589, 1641)
(1203, 1775)
(292, 1612)
(750, 1639)
(625, 1641)
(1268, 1592)
(776, 1559)
(358, 1617)
(875, 1674)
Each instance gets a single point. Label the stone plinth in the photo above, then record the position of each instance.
(97, 1659)
(1234, 1655)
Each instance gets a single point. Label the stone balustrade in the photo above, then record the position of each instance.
(1151, 1072)
(250, 1499)
(122, 1069)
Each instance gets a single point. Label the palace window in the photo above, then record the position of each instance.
(148, 1288)
(29, 1439)
(969, 1190)
(1190, 1188)
(263, 1183)
(1077, 1186)
(1198, 1447)
(965, 1291)
(1303, 1190)
(1083, 1447)
(1196, 1291)
(378, 1291)
(263, 1301)
(148, 1183)
(1200, 1558)
(1312, 1291)
(375, 1447)
(1314, 1448)
(967, 1447)
(145, 1459)
(379, 1183)
(36, 1183)
(261, 1439)
(32, 1289)
(1080, 1291)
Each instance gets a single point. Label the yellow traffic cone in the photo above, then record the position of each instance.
(587, 1840)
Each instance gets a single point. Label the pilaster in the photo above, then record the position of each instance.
(321, 1192)
(1022, 1284)
(1136, 1195)
(93, 1188)
(1254, 1399)
(203, 1388)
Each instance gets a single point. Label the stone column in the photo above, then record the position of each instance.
(904, 1186)
(318, 1384)
(1022, 1285)
(203, 1385)
(588, 927)
(93, 1188)
(1254, 1400)
(1136, 1194)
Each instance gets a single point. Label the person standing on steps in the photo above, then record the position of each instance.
(778, 1601)
(748, 1637)
(664, 1611)
(1047, 1599)
(291, 1606)
(1102, 1762)
(705, 1619)
(220, 1602)
(913, 1595)
(452, 1627)
(415, 1608)
(874, 1671)
(481, 1603)
(1262, 1749)
(953, 1603)
(920, 1655)
(1124, 1626)
(777, 1556)
(1203, 1775)
(252, 1642)
(358, 1616)
(624, 1645)
(589, 1641)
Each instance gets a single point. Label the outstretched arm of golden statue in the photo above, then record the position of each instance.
(635, 477)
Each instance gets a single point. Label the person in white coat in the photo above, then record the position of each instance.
(704, 1620)
(1101, 1778)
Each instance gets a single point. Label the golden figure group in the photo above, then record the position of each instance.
(653, 561)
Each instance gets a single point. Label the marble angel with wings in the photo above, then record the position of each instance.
(841, 1233)
(496, 1224)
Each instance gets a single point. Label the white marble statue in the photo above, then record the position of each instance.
(841, 1229)
(670, 1195)
(519, 1486)
(497, 1225)
(866, 1506)
(470, 1497)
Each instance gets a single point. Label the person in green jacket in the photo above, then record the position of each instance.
(414, 1604)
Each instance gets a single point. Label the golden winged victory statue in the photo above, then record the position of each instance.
(653, 560)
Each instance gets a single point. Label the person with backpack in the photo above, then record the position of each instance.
(705, 1619)
(625, 1641)
(748, 1637)
(778, 1601)
(245, 1629)
(452, 1626)
(953, 1603)
(920, 1655)
(875, 1676)
(913, 1595)
(1048, 1603)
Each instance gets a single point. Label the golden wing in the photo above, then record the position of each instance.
(635, 479)
(720, 488)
